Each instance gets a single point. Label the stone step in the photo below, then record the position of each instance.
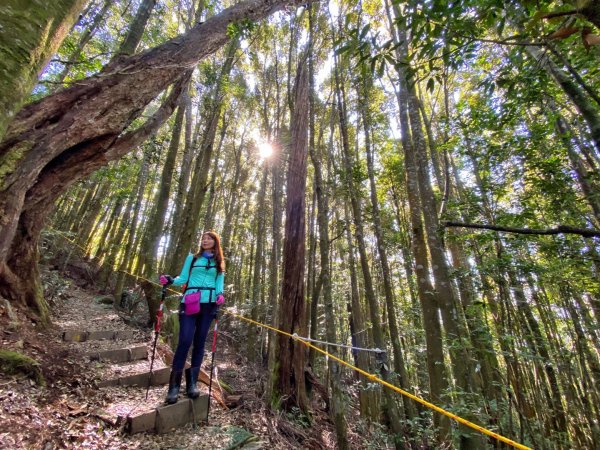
(83, 336)
(165, 418)
(121, 355)
(158, 378)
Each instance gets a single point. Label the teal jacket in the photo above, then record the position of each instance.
(203, 277)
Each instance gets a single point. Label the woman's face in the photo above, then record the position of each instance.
(208, 243)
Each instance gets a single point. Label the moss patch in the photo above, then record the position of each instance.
(13, 363)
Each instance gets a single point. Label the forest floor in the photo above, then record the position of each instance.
(70, 411)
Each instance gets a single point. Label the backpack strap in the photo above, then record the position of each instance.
(189, 273)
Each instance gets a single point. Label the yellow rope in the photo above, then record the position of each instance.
(391, 386)
(347, 364)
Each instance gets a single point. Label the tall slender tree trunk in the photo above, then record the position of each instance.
(259, 263)
(314, 283)
(114, 246)
(136, 29)
(416, 313)
(172, 259)
(133, 226)
(157, 217)
(394, 333)
(590, 192)
(584, 105)
(438, 378)
(334, 369)
(86, 36)
(369, 407)
(462, 362)
(274, 269)
(233, 205)
(198, 185)
(499, 308)
(557, 411)
(389, 406)
(89, 219)
(209, 214)
(290, 387)
(337, 404)
(108, 230)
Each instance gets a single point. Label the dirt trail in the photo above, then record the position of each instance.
(73, 412)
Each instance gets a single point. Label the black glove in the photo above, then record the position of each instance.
(166, 280)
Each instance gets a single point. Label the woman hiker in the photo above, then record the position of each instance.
(203, 275)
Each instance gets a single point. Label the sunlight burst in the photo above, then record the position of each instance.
(265, 150)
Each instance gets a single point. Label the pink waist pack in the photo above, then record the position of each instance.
(192, 303)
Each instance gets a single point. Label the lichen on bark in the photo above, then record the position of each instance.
(30, 32)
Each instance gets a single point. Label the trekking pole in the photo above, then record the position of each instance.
(212, 363)
(159, 314)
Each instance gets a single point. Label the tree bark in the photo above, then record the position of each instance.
(88, 220)
(479, 331)
(136, 29)
(109, 228)
(368, 398)
(274, 269)
(172, 259)
(209, 213)
(30, 33)
(38, 202)
(590, 191)
(335, 371)
(251, 347)
(53, 138)
(112, 246)
(290, 388)
(232, 204)
(438, 377)
(133, 226)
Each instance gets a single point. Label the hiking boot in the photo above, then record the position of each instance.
(191, 378)
(174, 385)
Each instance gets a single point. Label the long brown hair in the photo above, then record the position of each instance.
(217, 251)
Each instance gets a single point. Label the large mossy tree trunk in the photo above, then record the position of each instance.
(66, 136)
(30, 33)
